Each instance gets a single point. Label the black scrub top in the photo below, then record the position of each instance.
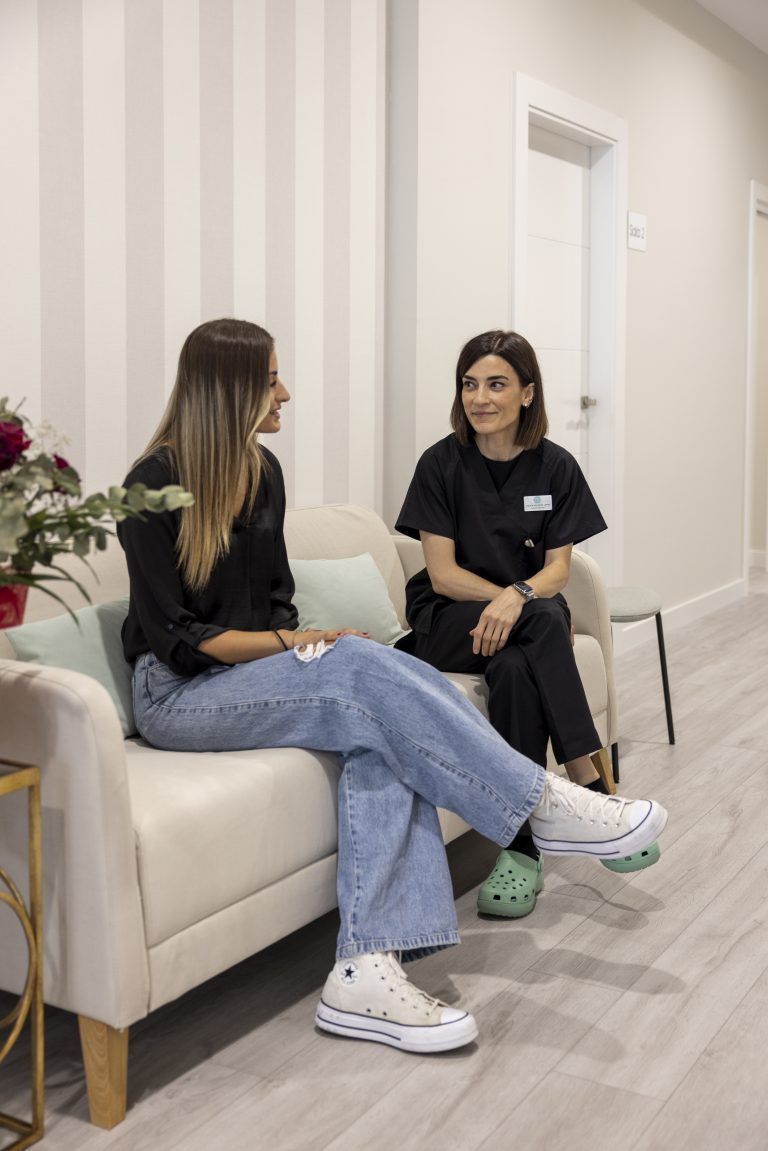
(250, 588)
(499, 534)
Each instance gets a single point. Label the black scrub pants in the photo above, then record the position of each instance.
(535, 692)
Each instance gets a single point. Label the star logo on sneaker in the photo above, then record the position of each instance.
(349, 972)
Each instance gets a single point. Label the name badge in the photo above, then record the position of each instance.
(537, 503)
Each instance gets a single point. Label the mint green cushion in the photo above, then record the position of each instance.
(345, 593)
(94, 648)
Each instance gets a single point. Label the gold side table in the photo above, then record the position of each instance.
(19, 777)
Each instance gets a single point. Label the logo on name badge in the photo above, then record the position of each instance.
(537, 503)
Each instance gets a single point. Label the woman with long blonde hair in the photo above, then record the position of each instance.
(220, 665)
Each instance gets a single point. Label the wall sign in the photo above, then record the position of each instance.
(636, 231)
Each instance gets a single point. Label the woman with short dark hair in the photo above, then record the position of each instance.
(498, 508)
(221, 665)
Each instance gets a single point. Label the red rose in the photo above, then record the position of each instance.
(60, 462)
(13, 443)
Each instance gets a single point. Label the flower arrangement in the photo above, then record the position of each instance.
(43, 513)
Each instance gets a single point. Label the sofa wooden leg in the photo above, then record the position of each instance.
(603, 768)
(105, 1057)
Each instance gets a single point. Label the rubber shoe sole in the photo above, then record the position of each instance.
(637, 862)
(423, 1040)
(642, 836)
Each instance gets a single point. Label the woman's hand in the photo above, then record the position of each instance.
(492, 630)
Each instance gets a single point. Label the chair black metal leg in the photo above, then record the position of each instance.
(665, 678)
(615, 762)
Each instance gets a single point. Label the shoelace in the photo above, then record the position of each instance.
(408, 992)
(584, 804)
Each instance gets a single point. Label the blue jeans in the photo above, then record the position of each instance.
(408, 742)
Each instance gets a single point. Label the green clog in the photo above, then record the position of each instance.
(636, 862)
(511, 888)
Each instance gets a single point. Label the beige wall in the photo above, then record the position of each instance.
(169, 160)
(163, 162)
(760, 420)
(694, 97)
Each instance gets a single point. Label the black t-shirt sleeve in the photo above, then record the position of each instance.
(427, 507)
(575, 515)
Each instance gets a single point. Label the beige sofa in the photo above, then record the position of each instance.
(162, 869)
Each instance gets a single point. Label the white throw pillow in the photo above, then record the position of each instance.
(345, 593)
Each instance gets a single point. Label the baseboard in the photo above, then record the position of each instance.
(628, 636)
(757, 559)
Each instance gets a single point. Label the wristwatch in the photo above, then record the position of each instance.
(525, 589)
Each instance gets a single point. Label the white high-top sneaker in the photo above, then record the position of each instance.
(572, 820)
(370, 997)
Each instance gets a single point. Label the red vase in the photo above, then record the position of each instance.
(13, 600)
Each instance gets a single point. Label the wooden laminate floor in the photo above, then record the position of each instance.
(626, 1012)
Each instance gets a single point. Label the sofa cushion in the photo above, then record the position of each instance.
(212, 828)
(92, 646)
(345, 593)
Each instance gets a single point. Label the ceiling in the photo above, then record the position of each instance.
(747, 17)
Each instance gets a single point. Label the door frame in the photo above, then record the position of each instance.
(607, 135)
(758, 205)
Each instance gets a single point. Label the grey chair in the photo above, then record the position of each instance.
(628, 605)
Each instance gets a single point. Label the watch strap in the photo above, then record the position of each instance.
(525, 590)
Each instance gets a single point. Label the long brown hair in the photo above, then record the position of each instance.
(519, 354)
(209, 427)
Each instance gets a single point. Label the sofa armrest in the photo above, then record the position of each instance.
(586, 598)
(411, 554)
(95, 949)
(588, 602)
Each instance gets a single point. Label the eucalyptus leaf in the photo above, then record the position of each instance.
(136, 501)
(81, 544)
(12, 525)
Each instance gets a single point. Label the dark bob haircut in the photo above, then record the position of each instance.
(519, 355)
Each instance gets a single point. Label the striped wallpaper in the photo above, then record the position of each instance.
(168, 161)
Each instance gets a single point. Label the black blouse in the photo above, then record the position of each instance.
(500, 533)
(250, 589)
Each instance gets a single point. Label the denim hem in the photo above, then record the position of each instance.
(526, 807)
(414, 948)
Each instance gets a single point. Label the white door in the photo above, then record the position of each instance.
(558, 289)
(568, 276)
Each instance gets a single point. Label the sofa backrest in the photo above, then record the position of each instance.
(338, 531)
(105, 580)
(330, 532)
